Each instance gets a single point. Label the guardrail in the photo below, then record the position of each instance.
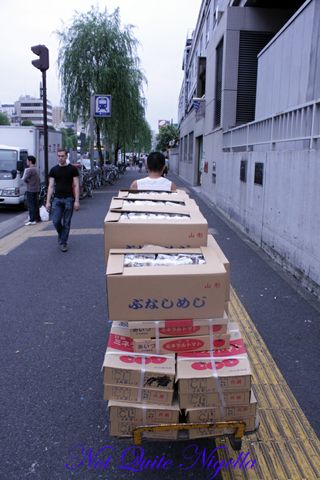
(299, 124)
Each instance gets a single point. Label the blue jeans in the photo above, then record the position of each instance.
(62, 210)
(33, 206)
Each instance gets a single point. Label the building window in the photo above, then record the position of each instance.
(185, 150)
(243, 170)
(190, 150)
(218, 91)
(201, 83)
(214, 174)
(258, 173)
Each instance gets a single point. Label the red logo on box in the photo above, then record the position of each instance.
(129, 359)
(229, 362)
(179, 330)
(183, 345)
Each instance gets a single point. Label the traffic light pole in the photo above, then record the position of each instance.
(42, 64)
(45, 126)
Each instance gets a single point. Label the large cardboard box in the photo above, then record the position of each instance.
(134, 370)
(182, 344)
(137, 395)
(175, 328)
(162, 292)
(124, 418)
(189, 230)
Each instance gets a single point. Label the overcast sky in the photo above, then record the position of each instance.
(161, 27)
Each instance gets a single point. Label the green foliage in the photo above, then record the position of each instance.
(4, 120)
(26, 123)
(69, 138)
(97, 56)
(167, 134)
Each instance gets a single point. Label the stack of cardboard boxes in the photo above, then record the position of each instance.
(172, 352)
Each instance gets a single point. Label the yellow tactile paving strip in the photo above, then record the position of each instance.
(285, 446)
(18, 237)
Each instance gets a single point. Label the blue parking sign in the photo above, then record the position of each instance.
(102, 105)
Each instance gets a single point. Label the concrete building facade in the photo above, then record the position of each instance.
(249, 118)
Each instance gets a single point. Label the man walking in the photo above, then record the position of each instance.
(64, 182)
(32, 179)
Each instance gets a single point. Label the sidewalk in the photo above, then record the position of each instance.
(54, 330)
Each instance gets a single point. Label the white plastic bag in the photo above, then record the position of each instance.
(44, 214)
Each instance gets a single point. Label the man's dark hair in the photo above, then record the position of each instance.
(32, 159)
(156, 161)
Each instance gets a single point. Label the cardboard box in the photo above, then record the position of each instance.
(188, 231)
(134, 370)
(214, 244)
(181, 344)
(196, 376)
(159, 293)
(137, 395)
(153, 195)
(212, 399)
(175, 328)
(213, 414)
(124, 418)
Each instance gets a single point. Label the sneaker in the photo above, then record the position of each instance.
(64, 248)
(30, 223)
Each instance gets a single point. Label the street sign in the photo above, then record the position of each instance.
(102, 106)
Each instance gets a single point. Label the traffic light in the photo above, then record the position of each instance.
(42, 63)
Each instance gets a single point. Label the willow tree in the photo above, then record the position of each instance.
(97, 56)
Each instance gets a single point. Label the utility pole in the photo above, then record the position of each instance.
(42, 64)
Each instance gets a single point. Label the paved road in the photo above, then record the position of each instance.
(54, 328)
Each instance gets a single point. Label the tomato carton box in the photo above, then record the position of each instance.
(145, 371)
(182, 344)
(125, 417)
(137, 394)
(162, 292)
(214, 414)
(212, 399)
(168, 226)
(136, 378)
(177, 328)
(199, 375)
(245, 413)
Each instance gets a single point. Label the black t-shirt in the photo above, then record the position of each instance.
(63, 177)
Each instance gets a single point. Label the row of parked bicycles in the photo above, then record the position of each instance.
(99, 177)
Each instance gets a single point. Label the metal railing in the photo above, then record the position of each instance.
(299, 124)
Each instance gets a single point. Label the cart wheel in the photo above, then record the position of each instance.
(236, 443)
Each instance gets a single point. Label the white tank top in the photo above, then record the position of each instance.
(160, 183)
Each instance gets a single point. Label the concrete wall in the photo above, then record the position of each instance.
(283, 215)
(288, 67)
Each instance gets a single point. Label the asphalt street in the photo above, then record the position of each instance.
(54, 329)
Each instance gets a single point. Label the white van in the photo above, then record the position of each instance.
(12, 164)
